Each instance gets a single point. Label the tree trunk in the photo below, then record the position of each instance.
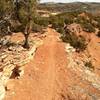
(26, 44)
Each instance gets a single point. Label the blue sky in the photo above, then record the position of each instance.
(70, 0)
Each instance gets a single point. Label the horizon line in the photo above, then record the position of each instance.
(69, 2)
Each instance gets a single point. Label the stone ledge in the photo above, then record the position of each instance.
(8, 67)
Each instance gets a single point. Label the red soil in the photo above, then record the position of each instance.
(47, 77)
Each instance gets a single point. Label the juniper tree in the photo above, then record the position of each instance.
(6, 11)
(20, 11)
(25, 12)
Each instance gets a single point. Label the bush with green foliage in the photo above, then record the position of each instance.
(37, 28)
(86, 24)
(77, 42)
(68, 21)
(66, 18)
(56, 22)
(6, 12)
(6, 8)
(97, 19)
(61, 30)
(42, 21)
(72, 17)
(88, 27)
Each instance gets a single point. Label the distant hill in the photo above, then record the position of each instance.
(68, 7)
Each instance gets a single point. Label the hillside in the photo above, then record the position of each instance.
(69, 7)
(54, 74)
(49, 51)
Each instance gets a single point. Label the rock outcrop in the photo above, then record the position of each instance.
(77, 29)
(12, 60)
(77, 66)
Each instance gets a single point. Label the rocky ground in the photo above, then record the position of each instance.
(56, 72)
(13, 58)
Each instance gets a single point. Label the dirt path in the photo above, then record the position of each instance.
(48, 77)
(39, 80)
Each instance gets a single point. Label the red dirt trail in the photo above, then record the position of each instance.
(47, 77)
(38, 82)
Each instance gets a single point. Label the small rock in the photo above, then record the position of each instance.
(11, 48)
(9, 87)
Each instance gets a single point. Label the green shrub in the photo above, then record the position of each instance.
(77, 42)
(68, 21)
(86, 24)
(42, 21)
(81, 44)
(36, 28)
(68, 17)
(88, 27)
(56, 22)
(18, 28)
(61, 30)
(4, 27)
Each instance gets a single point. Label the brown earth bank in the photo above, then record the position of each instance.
(93, 48)
(48, 77)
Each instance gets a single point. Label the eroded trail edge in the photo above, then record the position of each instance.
(39, 81)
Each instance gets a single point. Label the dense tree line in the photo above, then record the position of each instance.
(88, 22)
